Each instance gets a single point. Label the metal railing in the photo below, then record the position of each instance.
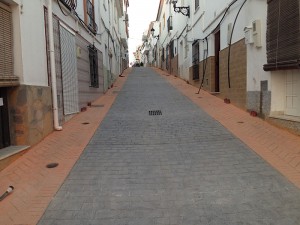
(91, 17)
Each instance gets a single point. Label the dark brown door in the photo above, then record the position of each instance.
(217, 61)
(4, 123)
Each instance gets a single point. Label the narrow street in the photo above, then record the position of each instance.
(159, 159)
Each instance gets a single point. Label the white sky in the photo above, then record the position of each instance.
(141, 13)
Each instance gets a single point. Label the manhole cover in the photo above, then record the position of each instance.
(85, 123)
(155, 113)
(52, 165)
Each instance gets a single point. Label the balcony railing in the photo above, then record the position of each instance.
(91, 17)
(70, 4)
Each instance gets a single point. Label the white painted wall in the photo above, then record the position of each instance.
(206, 18)
(30, 43)
(33, 44)
(257, 57)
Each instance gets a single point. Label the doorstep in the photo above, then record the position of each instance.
(10, 154)
(286, 117)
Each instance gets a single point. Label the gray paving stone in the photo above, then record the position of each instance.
(178, 168)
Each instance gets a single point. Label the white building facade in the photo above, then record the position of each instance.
(51, 71)
(238, 50)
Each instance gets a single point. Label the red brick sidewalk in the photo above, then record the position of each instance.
(278, 147)
(35, 185)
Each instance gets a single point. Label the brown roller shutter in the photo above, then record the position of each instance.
(7, 77)
(283, 35)
(6, 59)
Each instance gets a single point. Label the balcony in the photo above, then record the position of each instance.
(91, 17)
(70, 4)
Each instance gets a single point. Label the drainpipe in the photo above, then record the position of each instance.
(52, 66)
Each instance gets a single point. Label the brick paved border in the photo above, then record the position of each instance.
(35, 185)
(278, 147)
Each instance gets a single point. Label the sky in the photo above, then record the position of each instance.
(141, 13)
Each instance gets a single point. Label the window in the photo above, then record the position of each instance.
(6, 34)
(70, 4)
(163, 54)
(90, 16)
(283, 35)
(93, 56)
(164, 21)
(169, 22)
(196, 4)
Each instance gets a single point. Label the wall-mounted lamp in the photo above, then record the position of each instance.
(185, 10)
(152, 33)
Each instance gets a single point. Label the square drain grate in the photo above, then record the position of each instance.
(155, 113)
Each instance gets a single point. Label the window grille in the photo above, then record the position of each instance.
(70, 4)
(93, 56)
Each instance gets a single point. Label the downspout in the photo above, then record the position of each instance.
(52, 66)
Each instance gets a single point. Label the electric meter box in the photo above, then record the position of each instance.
(248, 35)
(256, 29)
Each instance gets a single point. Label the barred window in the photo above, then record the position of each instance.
(93, 56)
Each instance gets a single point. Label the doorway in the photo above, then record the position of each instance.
(217, 60)
(4, 120)
(292, 83)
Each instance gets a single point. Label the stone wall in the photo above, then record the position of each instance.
(237, 93)
(209, 76)
(260, 101)
(30, 112)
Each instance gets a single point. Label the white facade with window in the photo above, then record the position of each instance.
(270, 92)
(80, 77)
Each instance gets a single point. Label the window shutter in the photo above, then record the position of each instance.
(283, 35)
(6, 45)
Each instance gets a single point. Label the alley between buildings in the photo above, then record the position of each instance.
(159, 159)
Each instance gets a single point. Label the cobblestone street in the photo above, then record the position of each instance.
(179, 167)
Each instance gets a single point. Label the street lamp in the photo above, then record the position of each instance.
(185, 10)
(152, 33)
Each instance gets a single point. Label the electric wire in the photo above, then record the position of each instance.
(204, 66)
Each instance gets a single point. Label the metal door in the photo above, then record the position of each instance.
(4, 121)
(69, 72)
